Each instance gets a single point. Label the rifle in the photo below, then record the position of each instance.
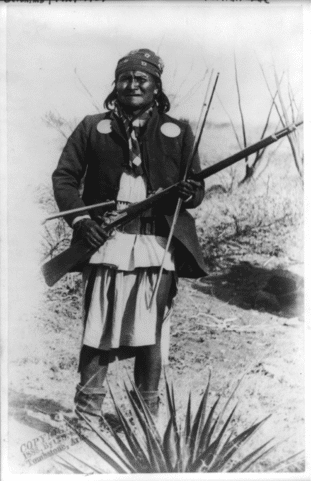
(56, 268)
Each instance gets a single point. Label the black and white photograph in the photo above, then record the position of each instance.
(152, 239)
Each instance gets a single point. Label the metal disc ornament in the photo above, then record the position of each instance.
(104, 126)
(170, 130)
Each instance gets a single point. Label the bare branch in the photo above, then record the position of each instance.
(87, 91)
(260, 153)
(55, 123)
(292, 97)
(186, 76)
(290, 138)
(269, 89)
(193, 89)
(160, 44)
(231, 122)
(272, 154)
(173, 77)
(240, 105)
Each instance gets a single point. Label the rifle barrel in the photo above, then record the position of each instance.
(110, 203)
(223, 164)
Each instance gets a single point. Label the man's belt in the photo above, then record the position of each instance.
(146, 226)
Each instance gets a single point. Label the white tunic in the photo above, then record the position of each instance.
(129, 251)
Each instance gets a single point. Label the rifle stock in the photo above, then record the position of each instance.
(60, 265)
(56, 268)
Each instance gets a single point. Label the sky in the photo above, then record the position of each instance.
(50, 47)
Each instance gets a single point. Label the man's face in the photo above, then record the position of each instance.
(135, 90)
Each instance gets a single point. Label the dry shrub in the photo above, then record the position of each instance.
(263, 217)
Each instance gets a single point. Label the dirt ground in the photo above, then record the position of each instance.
(245, 318)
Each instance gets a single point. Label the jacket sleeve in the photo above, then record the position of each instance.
(70, 171)
(195, 167)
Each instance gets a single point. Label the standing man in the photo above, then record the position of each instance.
(126, 154)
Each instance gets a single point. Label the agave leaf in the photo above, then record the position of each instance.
(170, 446)
(230, 448)
(134, 445)
(192, 465)
(210, 453)
(83, 462)
(156, 456)
(71, 467)
(109, 459)
(185, 438)
(185, 455)
(277, 465)
(173, 397)
(138, 401)
(239, 381)
(258, 457)
(222, 452)
(154, 443)
(173, 417)
(103, 454)
(224, 428)
(68, 465)
(155, 452)
(207, 431)
(107, 441)
(187, 429)
(142, 412)
(128, 432)
(262, 454)
(172, 410)
(238, 440)
(199, 421)
(250, 457)
(141, 423)
(177, 431)
(135, 456)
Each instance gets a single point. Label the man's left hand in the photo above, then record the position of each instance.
(188, 188)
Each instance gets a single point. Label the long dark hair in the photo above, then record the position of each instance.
(160, 98)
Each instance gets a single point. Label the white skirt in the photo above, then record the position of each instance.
(116, 307)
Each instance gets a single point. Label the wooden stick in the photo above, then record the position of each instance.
(180, 201)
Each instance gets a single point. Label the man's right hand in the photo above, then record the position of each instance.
(92, 234)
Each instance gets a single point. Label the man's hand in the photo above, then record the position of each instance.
(187, 189)
(92, 234)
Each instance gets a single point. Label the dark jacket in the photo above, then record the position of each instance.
(100, 158)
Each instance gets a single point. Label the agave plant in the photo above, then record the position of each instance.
(205, 443)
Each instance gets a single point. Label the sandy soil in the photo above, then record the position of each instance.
(245, 318)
